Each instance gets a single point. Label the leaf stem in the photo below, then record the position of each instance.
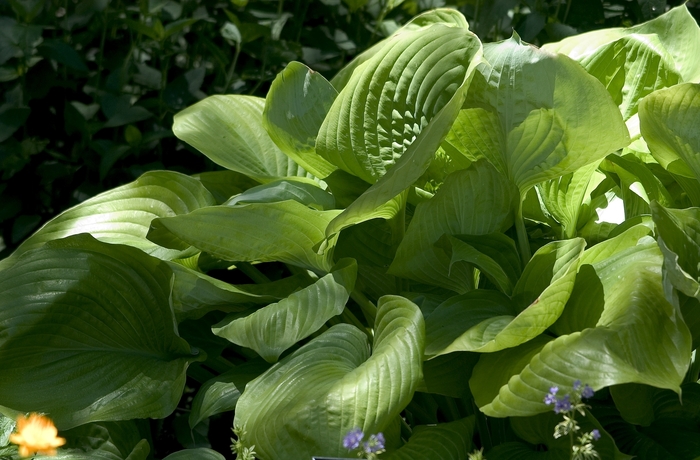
(367, 307)
(252, 272)
(523, 242)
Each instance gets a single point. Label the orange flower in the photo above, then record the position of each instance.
(36, 434)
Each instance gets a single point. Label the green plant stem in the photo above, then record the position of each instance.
(232, 68)
(523, 241)
(367, 307)
(252, 272)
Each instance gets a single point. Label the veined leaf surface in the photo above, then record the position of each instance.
(89, 334)
(305, 404)
(445, 441)
(123, 215)
(276, 327)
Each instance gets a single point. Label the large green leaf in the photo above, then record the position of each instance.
(284, 231)
(487, 321)
(639, 338)
(668, 121)
(402, 143)
(305, 404)
(123, 215)
(295, 108)
(89, 334)
(229, 130)
(276, 327)
(200, 453)
(104, 441)
(536, 113)
(474, 201)
(445, 441)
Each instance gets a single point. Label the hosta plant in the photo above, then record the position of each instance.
(413, 248)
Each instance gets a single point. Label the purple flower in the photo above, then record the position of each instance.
(353, 438)
(375, 444)
(562, 405)
(577, 385)
(587, 392)
(551, 397)
(595, 434)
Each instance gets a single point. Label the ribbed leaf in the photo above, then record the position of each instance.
(295, 108)
(668, 121)
(123, 215)
(389, 138)
(284, 231)
(546, 107)
(302, 190)
(305, 404)
(104, 441)
(221, 393)
(474, 201)
(445, 441)
(675, 33)
(229, 131)
(89, 334)
(639, 338)
(195, 294)
(276, 327)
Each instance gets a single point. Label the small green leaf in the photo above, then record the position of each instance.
(104, 441)
(438, 442)
(299, 189)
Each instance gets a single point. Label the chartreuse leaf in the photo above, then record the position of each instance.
(639, 338)
(284, 231)
(195, 294)
(276, 327)
(104, 441)
(445, 16)
(304, 405)
(445, 441)
(73, 305)
(221, 393)
(538, 112)
(295, 108)
(123, 215)
(201, 453)
(473, 201)
(495, 255)
(668, 121)
(672, 37)
(301, 189)
(229, 131)
(387, 123)
(539, 430)
(679, 240)
(488, 321)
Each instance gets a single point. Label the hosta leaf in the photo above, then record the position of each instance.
(284, 231)
(674, 34)
(668, 121)
(305, 404)
(225, 184)
(546, 107)
(445, 16)
(104, 441)
(295, 108)
(200, 453)
(639, 338)
(123, 215)
(195, 294)
(302, 190)
(487, 321)
(679, 240)
(494, 255)
(276, 327)
(229, 131)
(393, 96)
(445, 441)
(474, 201)
(89, 334)
(221, 393)
(415, 140)
(449, 374)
